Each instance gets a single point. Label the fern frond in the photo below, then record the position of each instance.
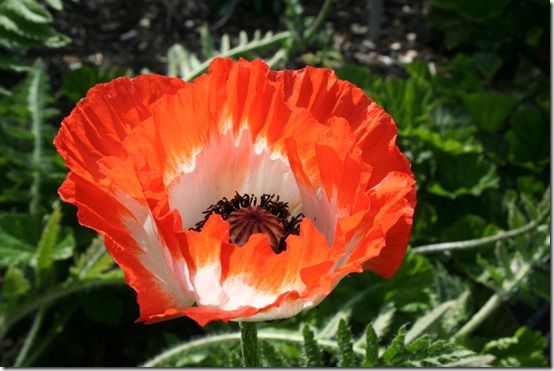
(187, 65)
(344, 341)
(396, 349)
(270, 357)
(371, 348)
(311, 349)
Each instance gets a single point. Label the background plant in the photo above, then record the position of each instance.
(475, 287)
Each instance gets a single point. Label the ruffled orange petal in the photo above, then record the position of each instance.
(316, 141)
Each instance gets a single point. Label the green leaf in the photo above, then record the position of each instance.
(474, 10)
(529, 139)
(487, 63)
(396, 349)
(372, 348)
(423, 352)
(464, 174)
(490, 109)
(472, 361)
(468, 227)
(9, 63)
(234, 360)
(186, 65)
(94, 262)
(356, 74)
(524, 349)
(28, 9)
(15, 284)
(384, 319)
(446, 143)
(311, 349)
(64, 249)
(206, 42)
(344, 341)
(270, 357)
(76, 83)
(408, 101)
(47, 243)
(425, 322)
(330, 330)
(56, 4)
(14, 251)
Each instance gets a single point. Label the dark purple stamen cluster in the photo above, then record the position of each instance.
(270, 203)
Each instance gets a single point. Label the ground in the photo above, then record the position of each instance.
(136, 34)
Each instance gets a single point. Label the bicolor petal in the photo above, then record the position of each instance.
(245, 195)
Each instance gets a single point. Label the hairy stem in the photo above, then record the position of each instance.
(494, 302)
(29, 340)
(249, 344)
(457, 245)
(239, 50)
(318, 22)
(35, 105)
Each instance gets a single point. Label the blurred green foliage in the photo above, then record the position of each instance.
(475, 126)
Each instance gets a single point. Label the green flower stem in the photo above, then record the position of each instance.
(29, 340)
(249, 344)
(494, 302)
(318, 22)
(457, 245)
(239, 50)
(36, 109)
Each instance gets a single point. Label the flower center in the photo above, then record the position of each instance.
(248, 220)
(271, 217)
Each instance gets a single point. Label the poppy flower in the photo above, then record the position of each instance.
(245, 195)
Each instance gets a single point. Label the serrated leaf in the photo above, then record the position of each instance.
(330, 330)
(243, 38)
(422, 352)
(472, 361)
(311, 349)
(396, 349)
(270, 357)
(206, 42)
(344, 341)
(423, 323)
(14, 284)
(177, 64)
(371, 348)
(235, 360)
(225, 44)
(524, 349)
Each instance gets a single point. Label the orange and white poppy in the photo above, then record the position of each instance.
(245, 195)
